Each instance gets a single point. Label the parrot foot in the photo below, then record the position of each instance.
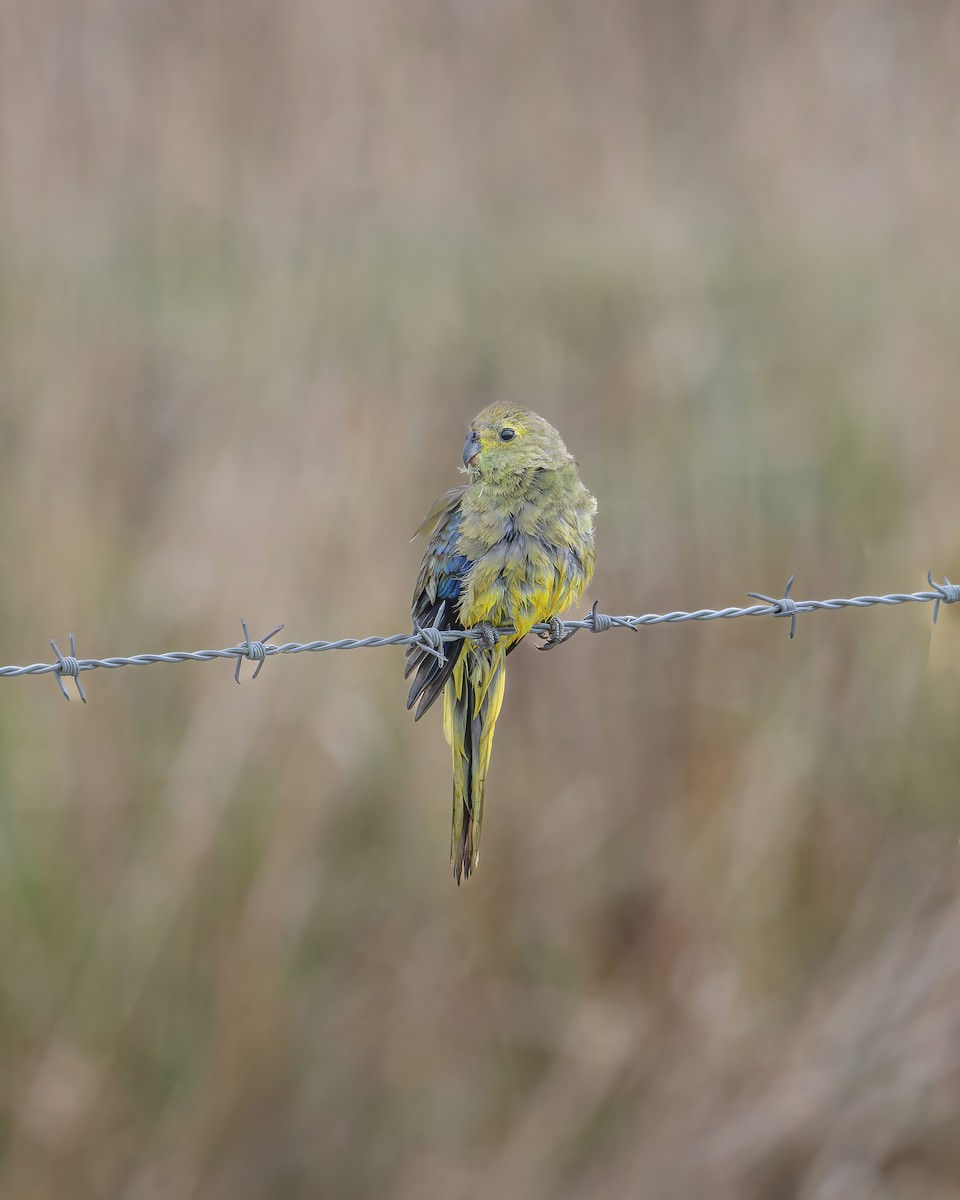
(488, 635)
(556, 635)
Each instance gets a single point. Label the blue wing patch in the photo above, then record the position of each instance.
(449, 586)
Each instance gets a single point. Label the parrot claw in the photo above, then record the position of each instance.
(488, 635)
(557, 634)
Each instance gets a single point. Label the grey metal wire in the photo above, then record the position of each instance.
(433, 640)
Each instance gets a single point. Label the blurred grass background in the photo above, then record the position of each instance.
(259, 266)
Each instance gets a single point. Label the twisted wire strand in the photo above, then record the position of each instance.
(433, 640)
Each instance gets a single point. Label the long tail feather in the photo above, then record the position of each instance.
(472, 703)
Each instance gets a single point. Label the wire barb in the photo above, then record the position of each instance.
(68, 665)
(783, 606)
(431, 639)
(599, 622)
(255, 651)
(947, 593)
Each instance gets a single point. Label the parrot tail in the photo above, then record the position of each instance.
(471, 705)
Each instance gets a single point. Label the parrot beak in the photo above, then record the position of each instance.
(471, 448)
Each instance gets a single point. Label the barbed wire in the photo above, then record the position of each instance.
(433, 640)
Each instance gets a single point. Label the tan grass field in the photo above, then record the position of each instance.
(259, 266)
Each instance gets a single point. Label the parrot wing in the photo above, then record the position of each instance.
(435, 600)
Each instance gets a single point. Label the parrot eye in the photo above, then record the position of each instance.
(507, 435)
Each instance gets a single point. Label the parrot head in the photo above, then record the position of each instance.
(505, 440)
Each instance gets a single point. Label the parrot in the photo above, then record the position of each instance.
(514, 546)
